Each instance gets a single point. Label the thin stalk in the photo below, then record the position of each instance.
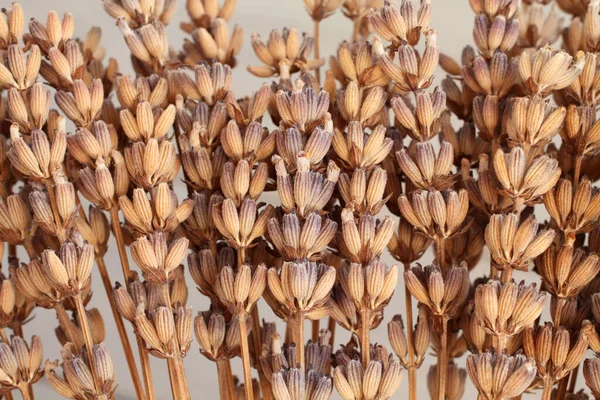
(547, 392)
(87, 335)
(442, 365)
(562, 388)
(114, 217)
(25, 393)
(146, 370)
(355, 29)
(316, 326)
(179, 378)
(573, 380)
(174, 392)
(137, 384)
(412, 370)
(226, 389)
(317, 26)
(577, 172)
(245, 356)
(265, 385)
(440, 250)
(506, 275)
(501, 343)
(64, 321)
(365, 336)
(299, 338)
(60, 232)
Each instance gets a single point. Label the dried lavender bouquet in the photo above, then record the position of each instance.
(366, 157)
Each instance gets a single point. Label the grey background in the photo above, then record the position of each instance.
(452, 18)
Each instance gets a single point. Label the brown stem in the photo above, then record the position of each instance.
(25, 393)
(442, 365)
(114, 217)
(440, 250)
(179, 378)
(547, 392)
(226, 389)
(265, 385)
(299, 338)
(573, 380)
(501, 343)
(137, 384)
(412, 371)
(331, 325)
(245, 356)
(316, 35)
(87, 335)
(64, 321)
(506, 274)
(365, 336)
(60, 232)
(577, 172)
(562, 388)
(355, 29)
(316, 326)
(146, 370)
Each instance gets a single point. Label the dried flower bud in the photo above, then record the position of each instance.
(155, 259)
(407, 245)
(424, 122)
(313, 385)
(291, 146)
(401, 24)
(424, 169)
(355, 62)
(514, 246)
(241, 227)
(500, 376)
(240, 290)
(364, 239)
(218, 339)
(367, 110)
(532, 122)
(302, 108)
(378, 380)
(546, 70)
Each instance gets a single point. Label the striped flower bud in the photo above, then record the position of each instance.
(155, 259)
(500, 376)
(476, 338)
(554, 351)
(443, 293)
(200, 225)
(364, 190)
(545, 70)
(545, 25)
(591, 373)
(254, 145)
(163, 213)
(379, 380)
(321, 9)
(166, 331)
(455, 382)
(343, 310)
(39, 159)
(513, 245)
(355, 62)
(495, 34)
(421, 335)
(302, 107)
(566, 271)
(424, 121)
(240, 181)
(21, 362)
(426, 170)
(465, 246)
(483, 192)
(82, 104)
(32, 282)
(69, 329)
(576, 211)
(66, 64)
(436, 214)
(78, 381)
(304, 191)
(137, 13)
(241, 227)
(365, 238)
(148, 43)
(218, 339)
(413, 72)
(239, 290)
(354, 108)
(505, 309)
(495, 79)
(283, 54)
(487, 116)
(20, 73)
(204, 269)
(580, 133)
(55, 33)
(213, 42)
(87, 146)
(15, 220)
(294, 383)
(211, 82)
(532, 122)
(406, 245)
(70, 272)
(147, 123)
(291, 145)
(401, 24)
(300, 287)
(152, 163)
(370, 287)
(13, 22)
(152, 89)
(357, 150)
(250, 109)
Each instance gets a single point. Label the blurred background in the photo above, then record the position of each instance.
(453, 19)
